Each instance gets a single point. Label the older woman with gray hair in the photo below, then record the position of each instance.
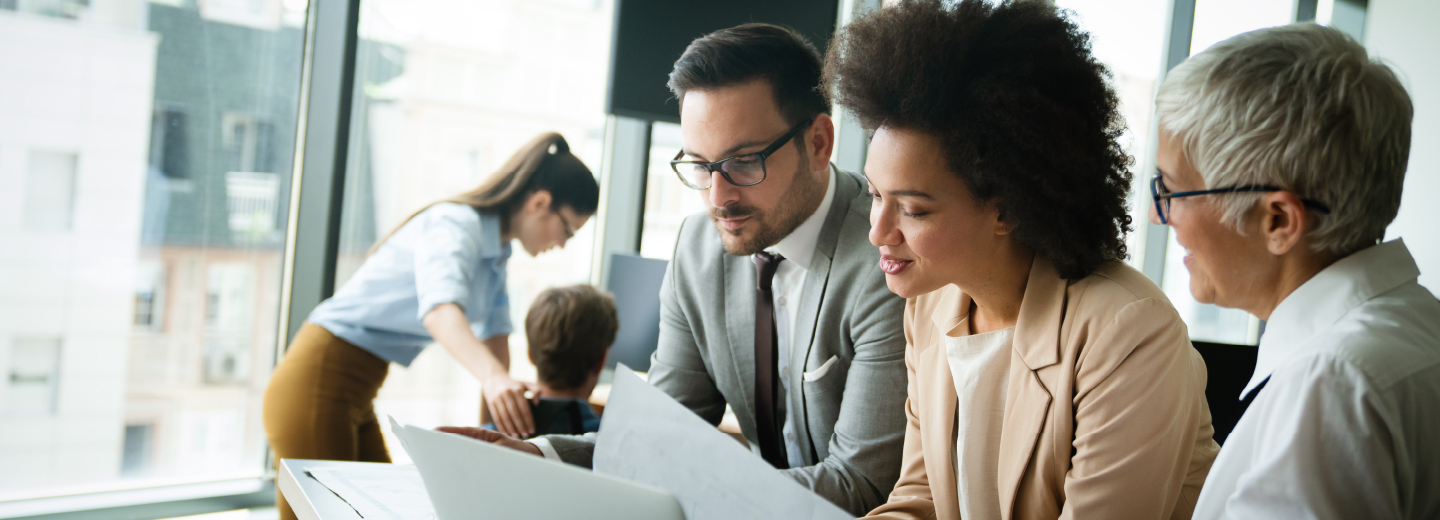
(1282, 157)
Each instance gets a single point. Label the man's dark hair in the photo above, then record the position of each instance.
(1021, 108)
(740, 54)
(569, 329)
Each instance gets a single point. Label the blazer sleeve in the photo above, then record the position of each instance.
(868, 439)
(1139, 406)
(911, 498)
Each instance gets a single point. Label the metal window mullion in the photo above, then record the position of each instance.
(1177, 49)
(623, 172)
(318, 179)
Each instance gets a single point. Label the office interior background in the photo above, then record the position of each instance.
(181, 181)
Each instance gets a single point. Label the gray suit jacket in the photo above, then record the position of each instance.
(852, 417)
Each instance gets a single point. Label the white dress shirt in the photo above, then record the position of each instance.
(798, 248)
(1348, 424)
(980, 366)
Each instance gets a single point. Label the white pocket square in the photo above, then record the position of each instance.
(820, 372)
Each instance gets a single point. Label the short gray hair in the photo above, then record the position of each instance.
(1303, 108)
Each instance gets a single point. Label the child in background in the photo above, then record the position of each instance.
(570, 330)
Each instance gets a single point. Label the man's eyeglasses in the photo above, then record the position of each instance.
(740, 170)
(1162, 196)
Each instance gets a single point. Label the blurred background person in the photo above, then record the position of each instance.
(439, 277)
(569, 331)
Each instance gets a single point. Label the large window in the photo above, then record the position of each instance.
(667, 200)
(446, 91)
(145, 151)
(1128, 36)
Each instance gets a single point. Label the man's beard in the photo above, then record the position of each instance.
(799, 200)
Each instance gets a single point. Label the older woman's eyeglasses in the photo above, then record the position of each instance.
(1162, 196)
(740, 170)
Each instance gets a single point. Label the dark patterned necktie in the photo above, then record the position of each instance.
(766, 375)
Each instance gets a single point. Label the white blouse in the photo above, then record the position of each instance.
(1348, 424)
(980, 366)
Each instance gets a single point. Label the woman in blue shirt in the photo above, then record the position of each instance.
(437, 278)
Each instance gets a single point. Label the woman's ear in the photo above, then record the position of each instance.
(1283, 221)
(538, 202)
(1002, 226)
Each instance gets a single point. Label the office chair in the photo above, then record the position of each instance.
(1229, 368)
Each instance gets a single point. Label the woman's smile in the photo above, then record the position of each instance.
(893, 265)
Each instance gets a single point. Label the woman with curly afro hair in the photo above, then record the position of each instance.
(1047, 379)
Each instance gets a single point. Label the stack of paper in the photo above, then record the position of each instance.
(650, 438)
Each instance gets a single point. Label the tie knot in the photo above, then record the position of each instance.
(765, 266)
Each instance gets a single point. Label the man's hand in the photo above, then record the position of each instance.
(493, 437)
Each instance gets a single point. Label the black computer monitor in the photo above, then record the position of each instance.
(635, 282)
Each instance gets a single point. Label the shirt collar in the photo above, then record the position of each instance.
(799, 245)
(1325, 298)
(490, 243)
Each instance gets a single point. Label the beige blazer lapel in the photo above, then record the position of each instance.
(939, 446)
(1036, 346)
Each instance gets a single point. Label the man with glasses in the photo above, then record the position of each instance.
(773, 303)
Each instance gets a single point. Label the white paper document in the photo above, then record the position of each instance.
(471, 479)
(648, 437)
(382, 493)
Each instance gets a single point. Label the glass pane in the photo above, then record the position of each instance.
(145, 148)
(446, 91)
(1128, 36)
(667, 200)
(1216, 20)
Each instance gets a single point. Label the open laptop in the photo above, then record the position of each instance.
(467, 478)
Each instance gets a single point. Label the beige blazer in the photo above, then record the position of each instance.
(1105, 415)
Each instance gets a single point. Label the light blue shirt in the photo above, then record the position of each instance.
(448, 253)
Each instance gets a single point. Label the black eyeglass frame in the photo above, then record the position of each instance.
(1162, 195)
(718, 166)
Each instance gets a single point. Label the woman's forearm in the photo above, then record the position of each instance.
(449, 327)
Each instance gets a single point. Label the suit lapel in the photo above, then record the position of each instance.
(807, 314)
(1022, 426)
(950, 311)
(941, 447)
(739, 303)
(817, 280)
(1028, 400)
(817, 275)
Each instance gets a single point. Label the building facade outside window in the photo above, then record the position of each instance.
(143, 147)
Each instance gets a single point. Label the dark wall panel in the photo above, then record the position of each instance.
(651, 34)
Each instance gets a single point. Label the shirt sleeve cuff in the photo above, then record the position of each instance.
(546, 448)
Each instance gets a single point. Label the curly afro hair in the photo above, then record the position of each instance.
(1022, 108)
